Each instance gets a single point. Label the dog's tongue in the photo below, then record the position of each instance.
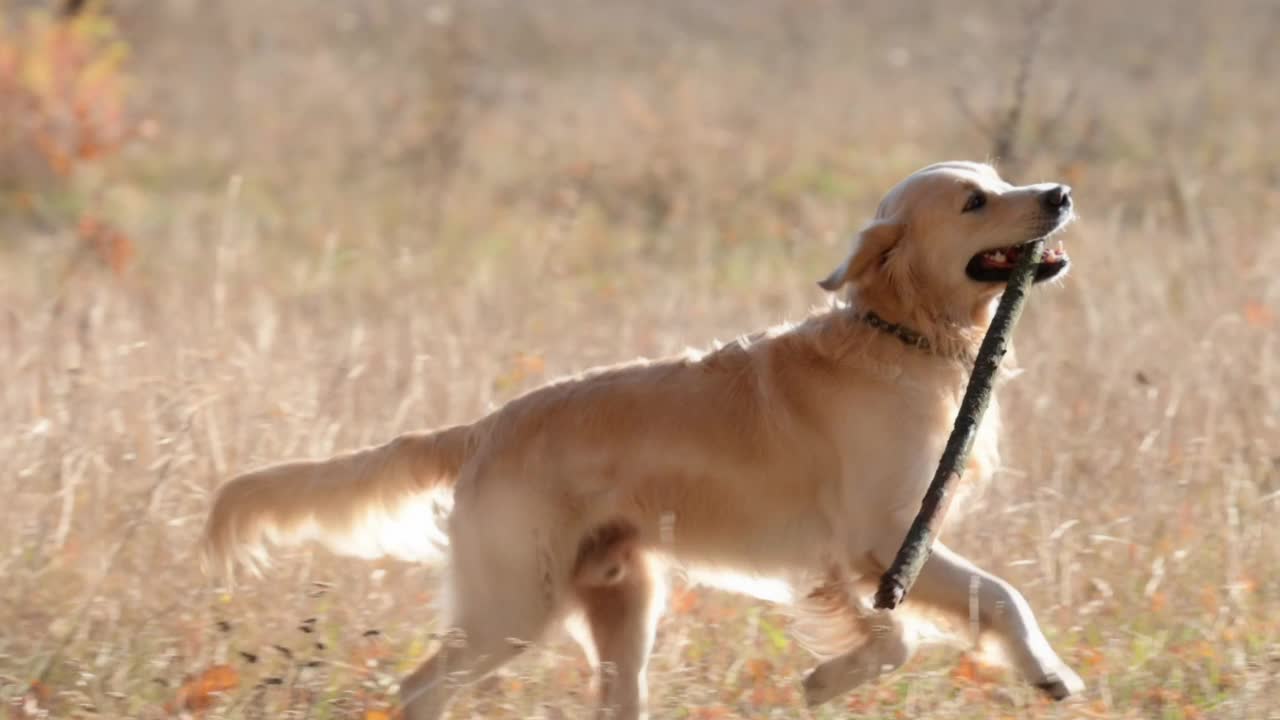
(1006, 257)
(1002, 258)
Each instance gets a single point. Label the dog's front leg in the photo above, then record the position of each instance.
(886, 648)
(954, 588)
(951, 585)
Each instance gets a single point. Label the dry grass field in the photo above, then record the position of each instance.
(236, 232)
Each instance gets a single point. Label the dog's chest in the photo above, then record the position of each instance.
(984, 455)
(894, 447)
(984, 452)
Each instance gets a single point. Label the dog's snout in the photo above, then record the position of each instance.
(1057, 197)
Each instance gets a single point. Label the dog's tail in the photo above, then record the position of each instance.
(384, 500)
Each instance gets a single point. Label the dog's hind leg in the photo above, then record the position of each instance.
(616, 631)
(467, 653)
(502, 595)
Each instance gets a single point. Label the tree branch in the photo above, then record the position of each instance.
(915, 550)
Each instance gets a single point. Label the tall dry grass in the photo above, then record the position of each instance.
(348, 221)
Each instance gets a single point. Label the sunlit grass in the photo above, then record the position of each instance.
(312, 271)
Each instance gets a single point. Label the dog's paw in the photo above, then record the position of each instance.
(1061, 684)
(817, 688)
(823, 683)
(834, 678)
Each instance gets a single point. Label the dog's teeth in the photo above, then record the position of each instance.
(998, 256)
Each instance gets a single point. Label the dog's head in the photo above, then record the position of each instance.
(944, 242)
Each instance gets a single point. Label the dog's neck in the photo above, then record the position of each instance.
(918, 328)
(909, 337)
(953, 346)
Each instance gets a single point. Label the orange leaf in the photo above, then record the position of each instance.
(526, 364)
(759, 669)
(684, 601)
(1093, 659)
(860, 703)
(768, 696)
(966, 670)
(112, 247)
(1258, 315)
(41, 693)
(1081, 408)
(118, 251)
(88, 148)
(973, 671)
(198, 693)
(1209, 598)
(1206, 650)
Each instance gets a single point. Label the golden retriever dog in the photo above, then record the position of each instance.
(788, 464)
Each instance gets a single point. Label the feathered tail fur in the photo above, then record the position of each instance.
(384, 500)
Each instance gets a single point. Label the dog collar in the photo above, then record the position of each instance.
(909, 337)
(905, 334)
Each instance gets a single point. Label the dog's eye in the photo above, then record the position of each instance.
(975, 202)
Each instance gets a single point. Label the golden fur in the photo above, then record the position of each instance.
(788, 464)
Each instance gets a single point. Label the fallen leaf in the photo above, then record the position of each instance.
(198, 693)
(1257, 314)
(111, 246)
(684, 601)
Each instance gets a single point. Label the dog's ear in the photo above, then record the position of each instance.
(869, 250)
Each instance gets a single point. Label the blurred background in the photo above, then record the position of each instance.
(236, 232)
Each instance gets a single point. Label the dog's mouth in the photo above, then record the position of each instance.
(995, 266)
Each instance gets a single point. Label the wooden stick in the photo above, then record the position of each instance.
(915, 549)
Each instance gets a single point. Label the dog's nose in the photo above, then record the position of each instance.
(1057, 197)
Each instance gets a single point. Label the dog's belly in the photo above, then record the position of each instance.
(772, 551)
(769, 561)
